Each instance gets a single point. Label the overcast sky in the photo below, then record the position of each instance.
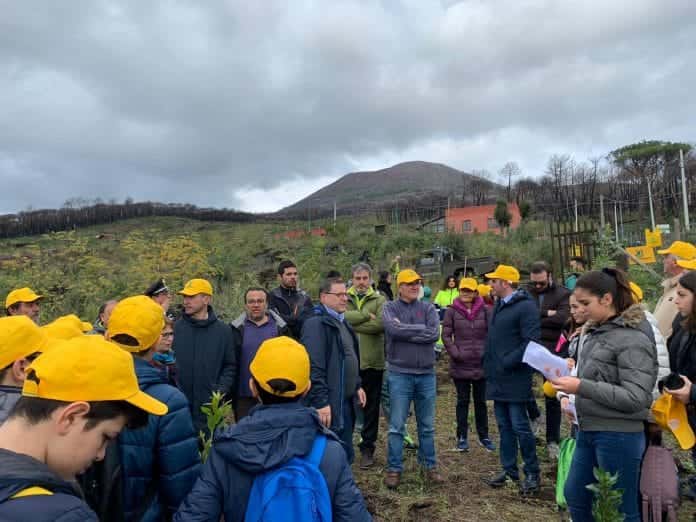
(255, 104)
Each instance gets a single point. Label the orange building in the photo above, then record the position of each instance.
(467, 220)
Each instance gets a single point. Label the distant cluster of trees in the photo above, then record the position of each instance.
(80, 213)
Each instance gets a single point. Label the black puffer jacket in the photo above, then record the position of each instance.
(554, 298)
(293, 306)
(681, 346)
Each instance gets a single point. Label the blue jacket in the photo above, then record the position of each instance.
(513, 325)
(19, 472)
(321, 336)
(267, 438)
(166, 450)
(206, 361)
(411, 330)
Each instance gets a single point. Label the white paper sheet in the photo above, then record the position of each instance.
(539, 358)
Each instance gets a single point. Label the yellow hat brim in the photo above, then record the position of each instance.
(147, 403)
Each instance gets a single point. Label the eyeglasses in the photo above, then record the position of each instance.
(340, 295)
(167, 334)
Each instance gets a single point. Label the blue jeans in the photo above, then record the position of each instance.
(612, 452)
(421, 389)
(514, 428)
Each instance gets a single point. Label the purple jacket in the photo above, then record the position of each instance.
(411, 330)
(464, 335)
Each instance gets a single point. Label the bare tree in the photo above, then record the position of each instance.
(509, 171)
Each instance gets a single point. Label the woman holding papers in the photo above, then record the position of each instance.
(613, 391)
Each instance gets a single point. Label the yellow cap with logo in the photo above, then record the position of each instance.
(669, 413)
(407, 276)
(468, 283)
(284, 360)
(136, 323)
(87, 368)
(21, 295)
(505, 273)
(681, 249)
(484, 290)
(66, 327)
(19, 338)
(197, 286)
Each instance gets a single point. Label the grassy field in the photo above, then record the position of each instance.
(464, 496)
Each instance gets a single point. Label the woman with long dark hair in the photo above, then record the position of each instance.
(384, 285)
(613, 391)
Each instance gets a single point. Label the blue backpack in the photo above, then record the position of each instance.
(295, 491)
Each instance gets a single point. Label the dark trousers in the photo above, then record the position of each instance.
(553, 420)
(515, 433)
(346, 432)
(372, 384)
(242, 405)
(464, 389)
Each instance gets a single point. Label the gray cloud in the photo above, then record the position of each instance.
(239, 103)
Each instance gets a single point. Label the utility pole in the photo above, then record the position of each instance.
(334, 214)
(309, 216)
(602, 224)
(652, 212)
(616, 223)
(621, 220)
(684, 194)
(576, 215)
(447, 216)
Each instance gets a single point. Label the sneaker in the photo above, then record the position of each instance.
(409, 443)
(488, 444)
(530, 485)
(433, 476)
(367, 459)
(552, 450)
(499, 480)
(462, 444)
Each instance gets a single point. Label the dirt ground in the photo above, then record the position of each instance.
(464, 496)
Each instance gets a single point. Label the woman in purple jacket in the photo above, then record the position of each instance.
(464, 331)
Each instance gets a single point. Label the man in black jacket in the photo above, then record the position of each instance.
(255, 325)
(554, 311)
(292, 304)
(204, 350)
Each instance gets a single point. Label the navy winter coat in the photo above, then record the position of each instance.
(165, 451)
(206, 361)
(513, 325)
(321, 337)
(267, 438)
(19, 472)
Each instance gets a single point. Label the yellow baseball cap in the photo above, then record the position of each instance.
(21, 295)
(197, 286)
(484, 290)
(87, 368)
(681, 249)
(19, 338)
(506, 273)
(281, 358)
(407, 276)
(468, 283)
(637, 292)
(669, 413)
(687, 264)
(139, 318)
(66, 327)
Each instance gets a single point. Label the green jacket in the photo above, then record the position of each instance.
(445, 298)
(370, 331)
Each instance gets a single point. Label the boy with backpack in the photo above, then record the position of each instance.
(66, 416)
(280, 462)
(159, 463)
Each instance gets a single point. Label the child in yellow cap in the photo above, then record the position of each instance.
(63, 422)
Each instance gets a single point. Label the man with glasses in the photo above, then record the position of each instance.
(411, 328)
(334, 354)
(554, 311)
(21, 341)
(256, 324)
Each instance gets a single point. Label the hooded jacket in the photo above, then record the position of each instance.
(165, 451)
(513, 324)
(464, 336)
(9, 395)
(370, 331)
(267, 438)
(293, 306)
(321, 337)
(617, 371)
(206, 361)
(19, 472)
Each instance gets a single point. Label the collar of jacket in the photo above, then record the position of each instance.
(239, 321)
(333, 313)
(632, 317)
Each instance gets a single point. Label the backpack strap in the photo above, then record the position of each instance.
(317, 452)
(31, 491)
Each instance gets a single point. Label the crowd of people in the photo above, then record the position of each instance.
(106, 421)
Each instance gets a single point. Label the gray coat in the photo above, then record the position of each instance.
(617, 371)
